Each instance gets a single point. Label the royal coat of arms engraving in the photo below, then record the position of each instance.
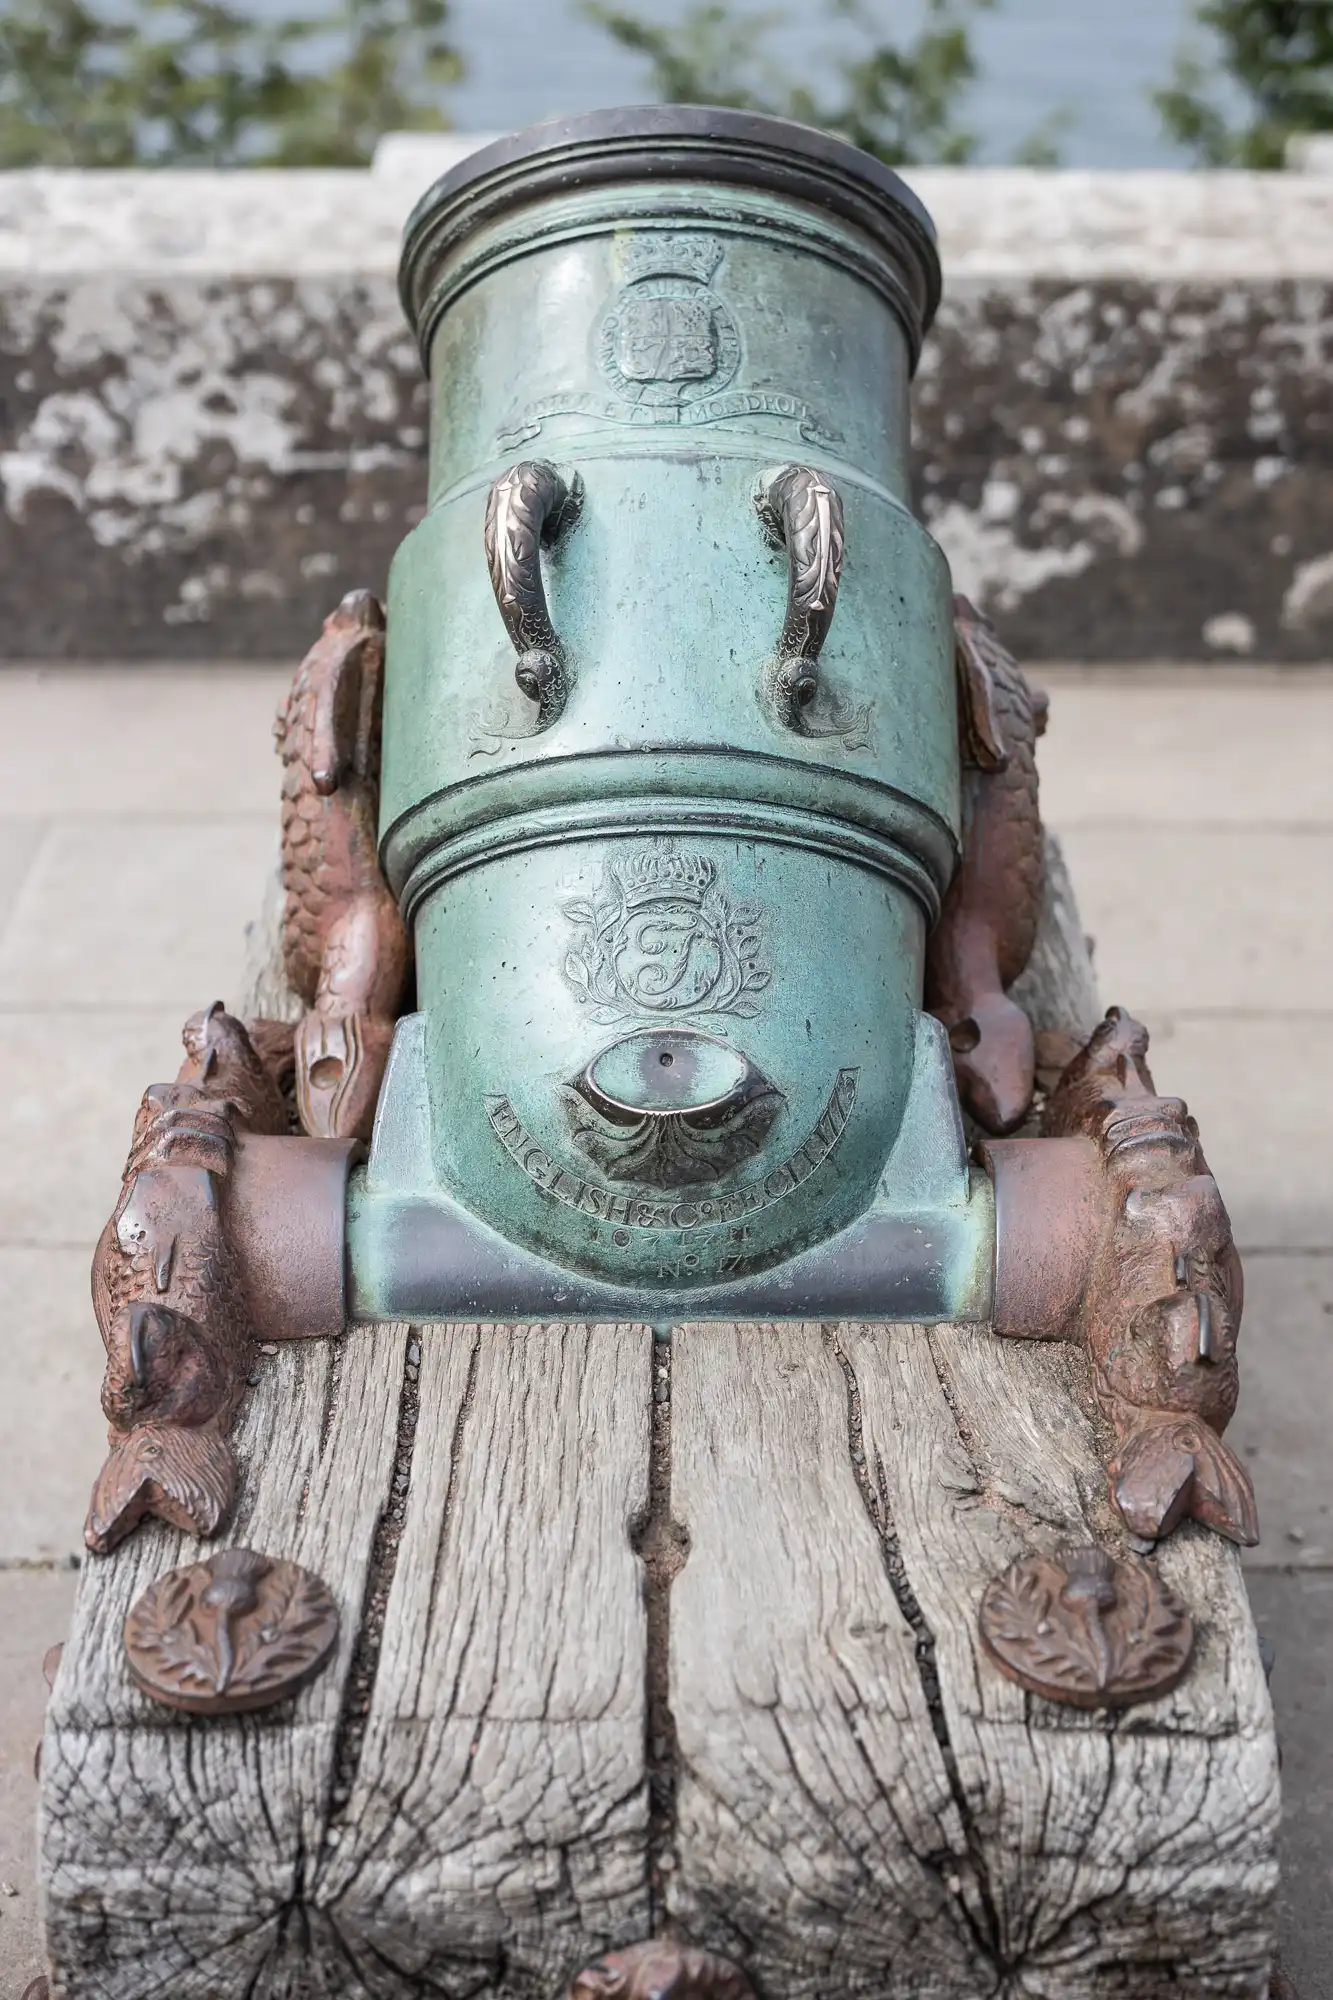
(667, 337)
(659, 936)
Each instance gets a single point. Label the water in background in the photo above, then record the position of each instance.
(532, 59)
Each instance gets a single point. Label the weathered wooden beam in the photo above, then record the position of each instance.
(176, 1852)
(864, 1803)
(816, 1838)
(493, 1832)
(790, 1743)
(459, 1802)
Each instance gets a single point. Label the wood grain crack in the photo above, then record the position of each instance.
(662, 1545)
(980, 1910)
(360, 1684)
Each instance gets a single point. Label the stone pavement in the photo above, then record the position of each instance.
(138, 811)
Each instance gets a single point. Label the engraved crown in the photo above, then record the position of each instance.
(662, 253)
(649, 874)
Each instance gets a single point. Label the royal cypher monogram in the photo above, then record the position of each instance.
(658, 937)
(631, 1212)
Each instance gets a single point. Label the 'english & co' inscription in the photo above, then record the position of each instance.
(626, 1211)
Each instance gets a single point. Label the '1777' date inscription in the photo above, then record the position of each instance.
(628, 1211)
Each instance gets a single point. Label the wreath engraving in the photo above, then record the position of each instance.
(658, 936)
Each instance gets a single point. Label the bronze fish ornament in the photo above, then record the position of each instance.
(1160, 1312)
(988, 924)
(344, 941)
(168, 1295)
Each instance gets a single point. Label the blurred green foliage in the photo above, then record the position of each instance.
(897, 99)
(1276, 56)
(146, 82)
(201, 82)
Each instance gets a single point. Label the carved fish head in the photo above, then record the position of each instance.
(222, 1060)
(1105, 1080)
(1169, 1325)
(158, 1364)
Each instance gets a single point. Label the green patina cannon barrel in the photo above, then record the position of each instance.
(670, 789)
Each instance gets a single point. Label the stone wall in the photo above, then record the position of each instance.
(213, 419)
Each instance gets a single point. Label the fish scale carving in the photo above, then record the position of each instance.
(344, 943)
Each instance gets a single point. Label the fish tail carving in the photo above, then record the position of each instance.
(1168, 1471)
(1162, 1294)
(344, 941)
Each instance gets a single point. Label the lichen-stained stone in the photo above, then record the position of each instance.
(212, 418)
(199, 466)
(1122, 470)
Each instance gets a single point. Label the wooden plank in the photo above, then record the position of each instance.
(460, 1801)
(816, 1838)
(1118, 1854)
(494, 1836)
(848, 1797)
(176, 1853)
(864, 1803)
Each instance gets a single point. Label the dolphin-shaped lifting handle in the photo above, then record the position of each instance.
(801, 511)
(528, 505)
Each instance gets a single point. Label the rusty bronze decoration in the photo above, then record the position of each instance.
(530, 505)
(227, 1230)
(169, 1298)
(242, 1063)
(802, 511)
(170, 1293)
(237, 1632)
(1086, 1629)
(225, 1226)
(988, 924)
(1163, 1304)
(661, 1969)
(1111, 1229)
(345, 944)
